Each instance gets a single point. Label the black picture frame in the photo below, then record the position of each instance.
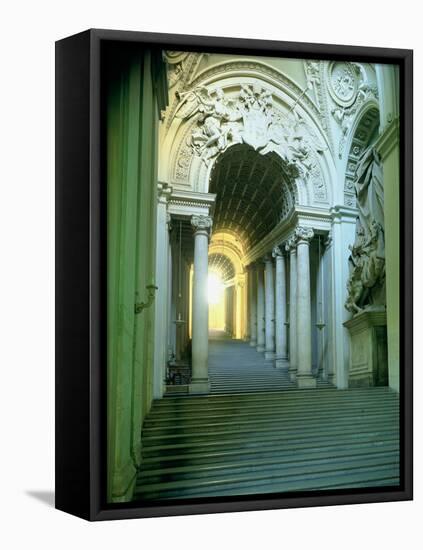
(80, 275)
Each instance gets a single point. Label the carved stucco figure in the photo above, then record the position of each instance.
(248, 118)
(366, 284)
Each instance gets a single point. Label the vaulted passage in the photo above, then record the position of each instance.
(253, 193)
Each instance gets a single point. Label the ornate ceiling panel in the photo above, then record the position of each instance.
(252, 193)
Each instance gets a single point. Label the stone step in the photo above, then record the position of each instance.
(316, 475)
(296, 395)
(324, 437)
(267, 425)
(257, 433)
(276, 412)
(266, 407)
(276, 462)
(268, 449)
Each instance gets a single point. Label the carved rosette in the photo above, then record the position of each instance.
(202, 224)
(304, 234)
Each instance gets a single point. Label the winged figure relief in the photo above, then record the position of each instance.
(214, 111)
(301, 143)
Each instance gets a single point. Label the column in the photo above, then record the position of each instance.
(253, 306)
(260, 307)
(161, 299)
(290, 247)
(305, 378)
(280, 310)
(269, 309)
(247, 307)
(200, 309)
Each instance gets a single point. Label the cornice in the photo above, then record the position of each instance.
(342, 213)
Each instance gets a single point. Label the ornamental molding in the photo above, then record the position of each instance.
(250, 117)
(350, 89)
(366, 123)
(261, 69)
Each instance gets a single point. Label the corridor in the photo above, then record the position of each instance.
(236, 367)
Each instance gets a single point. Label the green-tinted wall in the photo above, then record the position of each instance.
(132, 121)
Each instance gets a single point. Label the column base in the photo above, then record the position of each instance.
(260, 349)
(199, 386)
(292, 371)
(253, 343)
(269, 354)
(306, 381)
(281, 363)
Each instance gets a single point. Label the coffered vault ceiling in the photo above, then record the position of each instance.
(252, 193)
(222, 265)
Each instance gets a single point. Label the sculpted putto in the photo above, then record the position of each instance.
(214, 110)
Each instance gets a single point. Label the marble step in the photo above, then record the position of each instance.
(315, 475)
(266, 408)
(266, 425)
(276, 419)
(266, 450)
(278, 461)
(250, 441)
(268, 404)
(295, 394)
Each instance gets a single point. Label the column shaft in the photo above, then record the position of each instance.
(305, 377)
(292, 310)
(260, 307)
(280, 310)
(269, 310)
(200, 310)
(253, 306)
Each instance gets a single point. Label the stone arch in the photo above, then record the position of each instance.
(222, 264)
(188, 170)
(363, 134)
(225, 244)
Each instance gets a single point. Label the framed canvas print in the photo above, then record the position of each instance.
(234, 274)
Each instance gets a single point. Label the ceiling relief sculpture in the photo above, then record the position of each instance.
(219, 121)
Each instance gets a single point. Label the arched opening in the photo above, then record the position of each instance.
(253, 193)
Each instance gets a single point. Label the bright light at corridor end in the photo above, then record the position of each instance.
(215, 288)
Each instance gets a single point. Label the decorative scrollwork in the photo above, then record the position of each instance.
(151, 292)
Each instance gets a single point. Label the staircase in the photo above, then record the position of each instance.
(251, 443)
(236, 367)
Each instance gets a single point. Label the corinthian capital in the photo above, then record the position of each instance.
(291, 243)
(201, 223)
(277, 252)
(304, 234)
